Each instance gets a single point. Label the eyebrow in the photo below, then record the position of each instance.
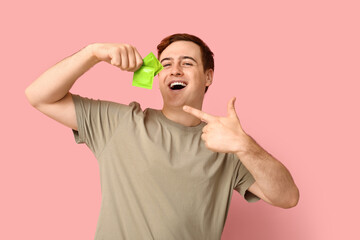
(181, 57)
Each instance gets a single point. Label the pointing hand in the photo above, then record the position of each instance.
(222, 134)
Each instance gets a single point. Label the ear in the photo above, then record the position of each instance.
(209, 75)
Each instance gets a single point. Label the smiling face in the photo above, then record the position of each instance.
(183, 80)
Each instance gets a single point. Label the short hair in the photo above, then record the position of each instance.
(207, 56)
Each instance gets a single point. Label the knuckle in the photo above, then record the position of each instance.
(120, 48)
(128, 48)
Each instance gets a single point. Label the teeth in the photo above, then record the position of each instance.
(178, 83)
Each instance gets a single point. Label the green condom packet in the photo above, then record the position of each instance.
(144, 76)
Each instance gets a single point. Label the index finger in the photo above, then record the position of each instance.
(199, 114)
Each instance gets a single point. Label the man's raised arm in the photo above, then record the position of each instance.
(50, 92)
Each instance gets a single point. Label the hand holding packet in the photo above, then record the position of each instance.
(144, 76)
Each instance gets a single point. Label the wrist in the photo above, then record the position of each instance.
(90, 52)
(248, 146)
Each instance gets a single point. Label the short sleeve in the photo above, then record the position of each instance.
(97, 120)
(243, 181)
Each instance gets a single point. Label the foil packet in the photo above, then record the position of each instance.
(144, 76)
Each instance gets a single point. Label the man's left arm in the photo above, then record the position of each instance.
(273, 182)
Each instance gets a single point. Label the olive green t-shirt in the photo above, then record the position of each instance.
(158, 179)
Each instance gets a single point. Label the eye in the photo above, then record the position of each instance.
(166, 65)
(188, 64)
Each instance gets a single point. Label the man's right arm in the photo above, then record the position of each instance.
(50, 92)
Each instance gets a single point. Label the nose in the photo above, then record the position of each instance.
(176, 70)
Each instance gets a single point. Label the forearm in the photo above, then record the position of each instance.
(56, 82)
(274, 183)
(271, 176)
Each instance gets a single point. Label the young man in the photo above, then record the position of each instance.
(170, 173)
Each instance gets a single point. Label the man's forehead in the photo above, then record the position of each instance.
(179, 49)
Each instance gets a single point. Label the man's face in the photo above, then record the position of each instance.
(183, 80)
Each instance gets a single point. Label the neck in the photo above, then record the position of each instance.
(178, 115)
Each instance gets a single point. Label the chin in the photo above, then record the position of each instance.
(178, 100)
(174, 104)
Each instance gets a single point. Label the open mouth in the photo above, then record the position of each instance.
(177, 85)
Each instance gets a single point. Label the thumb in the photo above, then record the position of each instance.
(231, 108)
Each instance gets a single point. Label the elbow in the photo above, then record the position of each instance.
(29, 96)
(288, 199)
(290, 204)
(292, 200)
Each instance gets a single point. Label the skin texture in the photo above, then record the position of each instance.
(177, 67)
(274, 183)
(50, 94)
(182, 62)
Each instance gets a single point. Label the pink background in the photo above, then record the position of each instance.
(293, 66)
